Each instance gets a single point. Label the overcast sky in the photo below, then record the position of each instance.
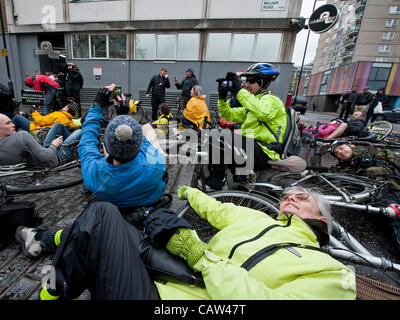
(301, 39)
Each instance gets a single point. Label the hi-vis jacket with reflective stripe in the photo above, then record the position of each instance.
(257, 109)
(295, 274)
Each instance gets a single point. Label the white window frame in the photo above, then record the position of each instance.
(388, 35)
(394, 10)
(384, 48)
(393, 22)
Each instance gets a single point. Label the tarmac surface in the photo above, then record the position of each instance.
(20, 277)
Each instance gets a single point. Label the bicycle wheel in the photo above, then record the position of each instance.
(381, 128)
(42, 180)
(139, 114)
(206, 231)
(333, 186)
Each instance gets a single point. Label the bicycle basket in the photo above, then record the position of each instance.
(42, 134)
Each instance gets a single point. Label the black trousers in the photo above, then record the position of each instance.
(100, 252)
(344, 113)
(230, 157)
(156, 100)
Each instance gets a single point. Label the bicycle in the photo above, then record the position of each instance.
(342, 245)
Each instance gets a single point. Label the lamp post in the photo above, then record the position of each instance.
(10, 84)
(304, 56)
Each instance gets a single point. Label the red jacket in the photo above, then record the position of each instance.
(40, 79)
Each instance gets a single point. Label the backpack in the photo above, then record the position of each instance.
(14, 214)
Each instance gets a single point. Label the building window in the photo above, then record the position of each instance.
(243, 46)
(394, 9)
(167, 46)
(379, 75)
(384, 48)
(98, 46)
(387, 35)
(381, 59)
(392, 22)
(306, 85)
(324, 82)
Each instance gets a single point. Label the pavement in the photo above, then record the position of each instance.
(20, 277)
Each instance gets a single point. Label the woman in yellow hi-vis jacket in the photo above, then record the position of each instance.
(103, 253)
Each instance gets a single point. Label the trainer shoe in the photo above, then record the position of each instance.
(30, 246)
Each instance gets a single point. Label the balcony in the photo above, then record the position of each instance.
(347, 53)
(349, 42)
(359, 16)
(359, 5)
(352, 31)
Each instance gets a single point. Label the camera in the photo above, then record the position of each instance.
(117, 92)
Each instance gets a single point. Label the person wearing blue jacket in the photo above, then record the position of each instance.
(132, 173)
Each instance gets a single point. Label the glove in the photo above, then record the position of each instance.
(236, 86)
(122, 107)
(182, 192)
(187, 244)
(161, 224)
(231, 76)
(103, 97)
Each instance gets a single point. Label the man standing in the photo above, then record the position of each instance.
(186, 85)
(349, 105)
(156, 87)
(363, 100)
(74, 84)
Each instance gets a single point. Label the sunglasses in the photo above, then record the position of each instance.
(251, 81)
(299, 196)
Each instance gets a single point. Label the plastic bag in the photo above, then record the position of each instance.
(378, 108)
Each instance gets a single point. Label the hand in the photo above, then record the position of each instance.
(122, 107)
(223, 92)
(103, 95)
(182, 192)
(236, 86)
(57, 142)
(187, 244)
(231, 76)
(166, 76)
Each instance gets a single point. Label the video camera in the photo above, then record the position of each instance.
(231, 82)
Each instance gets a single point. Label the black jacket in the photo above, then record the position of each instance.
(364, 99)
(74, 84)
(186, 85)
(157, 85)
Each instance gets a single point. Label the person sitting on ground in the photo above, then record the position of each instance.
(321, 131)
(19, 147)
(64, 116)
(109, 263)
(380, 165)
(132, 173)
(196, 109)
(165, 117)
(263, 119)
(356, 127)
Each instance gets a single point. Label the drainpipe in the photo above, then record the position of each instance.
(10, 84)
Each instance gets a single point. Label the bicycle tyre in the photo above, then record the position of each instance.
(43, 180)
(359, 188)
(383, 131)
(255, 201)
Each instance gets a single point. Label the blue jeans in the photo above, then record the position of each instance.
(21, 122)
(48, 100)
(64, 152)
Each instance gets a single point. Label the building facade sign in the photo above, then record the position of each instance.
(323, 18)
(47, 49)
(273, 5)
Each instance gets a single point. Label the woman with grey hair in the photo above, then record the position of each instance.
(196, 109)
(323, 205)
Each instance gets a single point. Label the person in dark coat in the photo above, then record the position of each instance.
(186, 85)
(74, 84)
(379, 97)
(348, 106)
(156, 87)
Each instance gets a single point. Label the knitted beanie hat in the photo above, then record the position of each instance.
(123, 138)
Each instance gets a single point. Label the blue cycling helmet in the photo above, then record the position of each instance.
(262, 70)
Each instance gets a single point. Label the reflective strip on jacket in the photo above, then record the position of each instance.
(308, 274)
(255, 110)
